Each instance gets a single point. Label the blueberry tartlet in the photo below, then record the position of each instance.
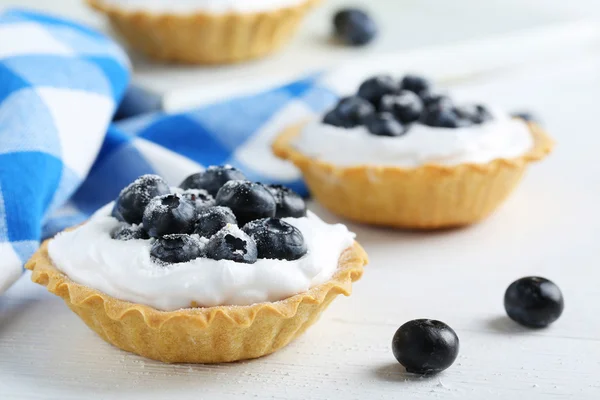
(222, 278)
(399, 153)
(205, 31)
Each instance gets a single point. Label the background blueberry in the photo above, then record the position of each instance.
(534, 302)
(212, 179)
(231, 243)
(248, 200)
(129, 232)
(475, 113)
(211, 220)
(176, 248)
(289, 203)
(132, 200)
(199, 198)
(349, 112)
(442, 117)
(434, 99)
(385, 124)
(415, 83)
(525, 116)
(334, 119)
(373, 89)
(354, 27)
(169, 214)
(405, 106)
(425, 346)
(276, 239)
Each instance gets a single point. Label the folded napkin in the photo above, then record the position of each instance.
(60, 83)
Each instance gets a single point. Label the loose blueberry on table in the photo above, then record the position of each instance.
(425, 346)
(389, 107)
(354, 27)
(534, 302)
(190, 223)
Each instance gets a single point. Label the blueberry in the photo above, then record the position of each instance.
(415, 83)
(334, 119)
(212, 179)
(384, 124)
(525, 116)
(425, 346)
(373, 89)
(406, 106)
(289, 203)
(248, 200)
(475, 113)
(199, 198)
(132, 200)
(433, 99)
(212, 219)
(231, 243)
(178, 248)
(443, 117)
(533, 302)
(354, 27)
(116, 214)
(129, 232)
(276, 239)
(350, 112)
(169, 214)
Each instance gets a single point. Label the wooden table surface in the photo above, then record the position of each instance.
(549, 227)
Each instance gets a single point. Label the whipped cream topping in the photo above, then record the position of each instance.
(209, 6)
(501, 137)
(123, 269)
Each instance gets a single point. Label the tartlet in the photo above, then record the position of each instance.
(196, 303)
(425, 196)
(204, 37)
(198, 335)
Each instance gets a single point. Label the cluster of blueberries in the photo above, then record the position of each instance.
(216, 213)
(388, 107)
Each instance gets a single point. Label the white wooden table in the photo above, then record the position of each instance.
(549, 227)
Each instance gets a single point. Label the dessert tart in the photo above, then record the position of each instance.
(400, 154)
(219, 269)
(205, 31)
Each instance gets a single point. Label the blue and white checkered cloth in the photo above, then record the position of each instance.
(60, 83)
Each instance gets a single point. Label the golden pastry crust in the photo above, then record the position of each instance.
(198, 335)
(430, 196)
(203, 38)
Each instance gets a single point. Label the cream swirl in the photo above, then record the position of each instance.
(123, 269)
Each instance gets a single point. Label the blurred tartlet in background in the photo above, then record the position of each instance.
(399, 153)
(205, 31)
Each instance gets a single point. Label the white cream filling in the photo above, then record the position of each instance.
(208, 6)
(501, 137)
(124, 269)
